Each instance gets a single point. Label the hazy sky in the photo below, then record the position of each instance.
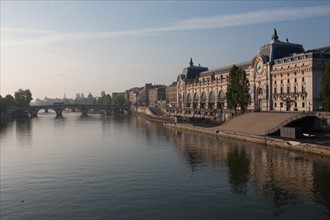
(57, 47)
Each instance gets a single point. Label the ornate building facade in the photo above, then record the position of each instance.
(283, 77)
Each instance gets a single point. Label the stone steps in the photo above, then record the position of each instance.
(256, 123)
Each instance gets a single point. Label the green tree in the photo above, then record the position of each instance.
(6, 102)
(2, 104)
(237, 94)
(9, 100)
(325, 91)
(118, 98)
(105, 99)
(23, 97)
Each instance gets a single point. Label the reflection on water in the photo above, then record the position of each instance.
(285, 178)
(321, 182)
(238, 165)
(125, 167)
(24, 131)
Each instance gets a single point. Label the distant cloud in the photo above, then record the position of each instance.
(197, 23)
(261, 16)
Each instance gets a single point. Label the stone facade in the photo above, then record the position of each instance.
(133, 95)
(283, 77)
(171, 95)
(156, 95)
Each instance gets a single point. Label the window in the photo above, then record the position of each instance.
(275, 90)
(295, 80)
(281, 81)
(303, 79)
(295, 89)
(288, 80)
(275, 105)
(303, 104)
(275, 82)
(288, 89)
(295, 104)
(281, 90)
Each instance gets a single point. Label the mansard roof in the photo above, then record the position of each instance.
(318, 53)
(325, 49)
(277, 49)
(225, 69)
(192, 72)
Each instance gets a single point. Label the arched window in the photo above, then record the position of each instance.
(203, 100)
(188, 104)
(221, 97)
(211, 100)
(211, 97)
(221, 100)
(195, 101)
(203, 97)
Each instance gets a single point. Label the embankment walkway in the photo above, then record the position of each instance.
(254, 127)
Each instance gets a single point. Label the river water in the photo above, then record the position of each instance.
(125, 167)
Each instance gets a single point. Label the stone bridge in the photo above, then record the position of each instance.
(59, 108)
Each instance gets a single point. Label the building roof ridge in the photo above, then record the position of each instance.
(229, 66)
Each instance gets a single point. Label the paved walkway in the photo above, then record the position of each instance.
(256, 123)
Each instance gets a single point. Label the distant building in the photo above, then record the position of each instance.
(156, 94)
(133, 95)
(283, 77)
(171, 95)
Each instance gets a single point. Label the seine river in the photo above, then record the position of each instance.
(125, 167)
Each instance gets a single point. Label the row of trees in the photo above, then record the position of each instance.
(21, 98)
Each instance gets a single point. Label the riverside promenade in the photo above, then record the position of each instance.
(253, 127)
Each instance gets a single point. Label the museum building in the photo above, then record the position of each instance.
(282, 76)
